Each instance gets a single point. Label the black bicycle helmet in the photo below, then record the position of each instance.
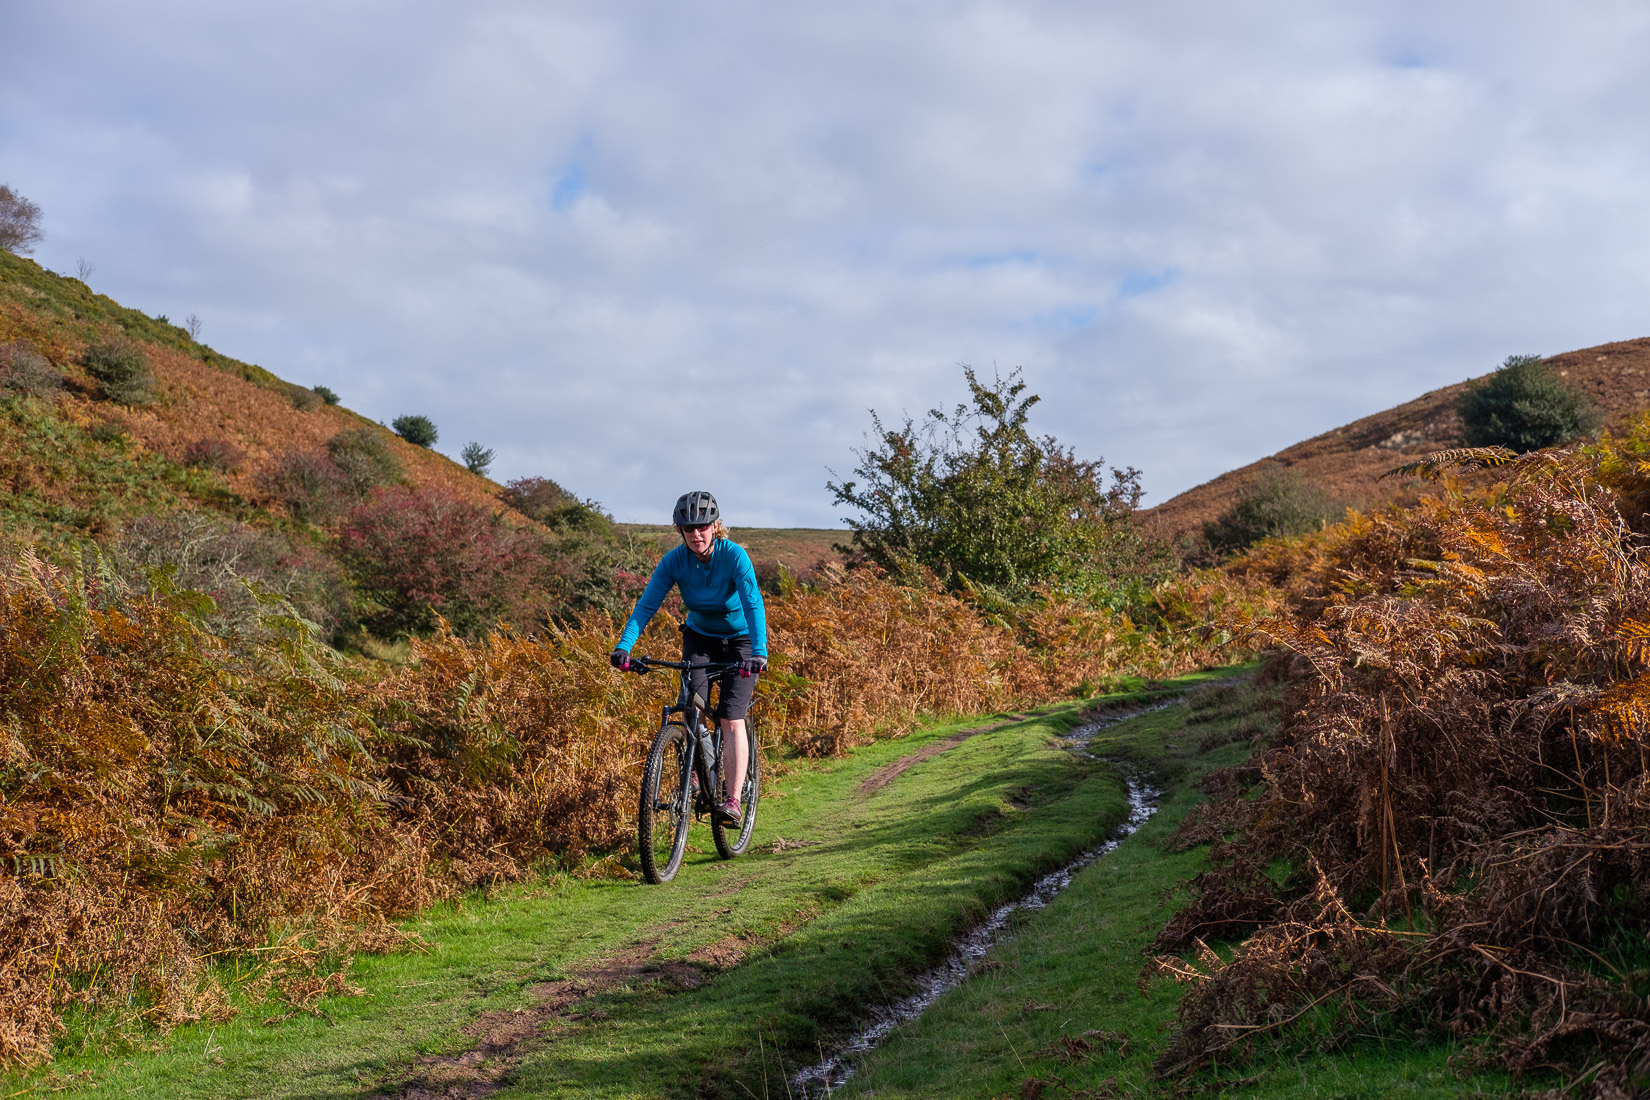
(693, 509)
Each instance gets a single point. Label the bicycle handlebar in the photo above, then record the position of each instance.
(640, 665)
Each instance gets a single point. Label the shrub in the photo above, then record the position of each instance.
(419, 553)
(325, 394)
(973, 497)
(365, 458)
(113, 430)
(214, 454)
(1277, 502)
(543, 501)
(309, 485)
(121, 372)
(211, 555)
(1525, 406)
(478, 459)
(19, 222)
(417, 430)
(304, 400)
(25, 371)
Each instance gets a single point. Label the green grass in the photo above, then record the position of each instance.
(1055, 1001)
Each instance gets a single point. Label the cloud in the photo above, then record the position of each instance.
(639, 248)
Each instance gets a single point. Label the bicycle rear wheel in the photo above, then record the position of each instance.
(729, 844)
(666, 810)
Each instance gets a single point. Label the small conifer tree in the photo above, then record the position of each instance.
(1525, 406)
(478, 459)
(121, 372)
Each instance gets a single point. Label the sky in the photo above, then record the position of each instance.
(642, 248)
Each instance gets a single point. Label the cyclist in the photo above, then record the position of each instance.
(725, 623)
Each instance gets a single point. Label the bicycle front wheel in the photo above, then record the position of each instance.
(666, 808)
(729, 844)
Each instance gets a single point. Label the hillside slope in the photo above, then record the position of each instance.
(77, 467)
(202, 394)
(1348, 461)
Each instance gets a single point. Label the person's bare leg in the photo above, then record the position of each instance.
(735, 756)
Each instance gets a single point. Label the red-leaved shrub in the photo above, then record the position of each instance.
(422, 552)
(214, 454)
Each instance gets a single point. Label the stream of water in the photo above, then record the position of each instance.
(821, 1079)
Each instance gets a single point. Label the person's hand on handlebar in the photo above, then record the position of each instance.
(750, 666)
(620, 659)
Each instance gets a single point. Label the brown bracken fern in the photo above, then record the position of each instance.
(169, 798)
(1450, 832)
(1433, 466)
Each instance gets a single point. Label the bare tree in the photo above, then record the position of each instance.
(192, 323)
(84, 269)
(19, 222)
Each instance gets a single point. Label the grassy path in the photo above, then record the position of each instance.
(1055, 1011)
(729, 976)
(726, 981)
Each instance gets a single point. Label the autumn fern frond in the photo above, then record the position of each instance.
(1433, 466)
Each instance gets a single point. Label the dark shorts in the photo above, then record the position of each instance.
(733, 698)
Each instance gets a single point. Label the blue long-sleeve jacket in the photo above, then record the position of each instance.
(721, 595)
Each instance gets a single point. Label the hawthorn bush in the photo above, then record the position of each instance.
(366, 459)
(213, 453)
(1277, 503)
(309, 485)
(24, 370)
(478, 459)
(973, 498)
(201, 552)
(19, 222)
(544, 501)
(419, 553)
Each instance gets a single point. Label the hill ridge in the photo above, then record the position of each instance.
(1347, 461)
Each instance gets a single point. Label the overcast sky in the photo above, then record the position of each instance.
(647, 247)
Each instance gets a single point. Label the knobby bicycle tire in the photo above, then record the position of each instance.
(666, 807)
(748, 794)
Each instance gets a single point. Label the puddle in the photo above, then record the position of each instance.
(821, 1079)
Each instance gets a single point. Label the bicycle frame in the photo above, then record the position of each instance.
(692, 709)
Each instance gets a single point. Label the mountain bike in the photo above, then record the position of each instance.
(683, 777)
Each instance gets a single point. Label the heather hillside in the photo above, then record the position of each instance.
(1347, 462)
(201, 394)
